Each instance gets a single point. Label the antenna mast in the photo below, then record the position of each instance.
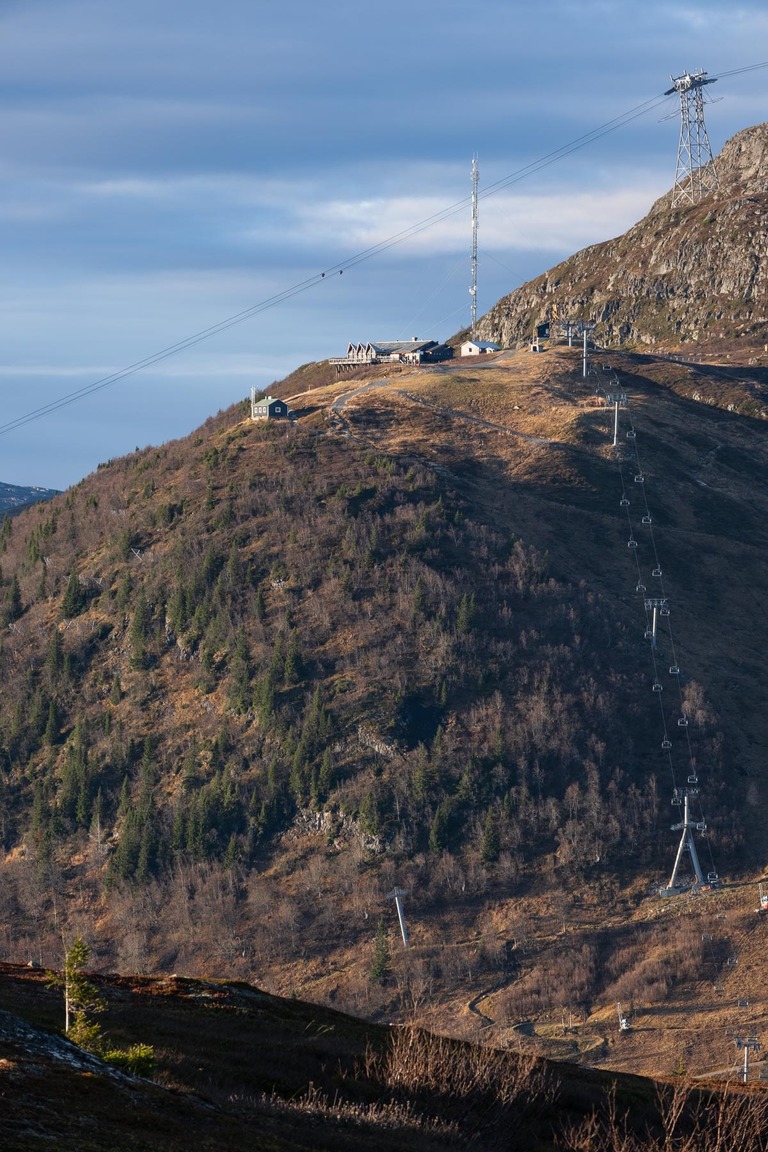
(473, 289)
(695, 174)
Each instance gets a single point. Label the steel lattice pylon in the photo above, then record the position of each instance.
(695, 175)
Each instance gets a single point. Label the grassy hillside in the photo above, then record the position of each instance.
(238, 1069)
(253, 679)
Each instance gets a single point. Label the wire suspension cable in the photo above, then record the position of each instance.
(366, 254)
(336, 269)
(644, 524)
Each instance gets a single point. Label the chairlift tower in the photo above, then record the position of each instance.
(695, 174)
(618, 400)
(397, 895)
(586, 328)
(655, 605)
(751, 1044)
(687, 827)
(473, 288)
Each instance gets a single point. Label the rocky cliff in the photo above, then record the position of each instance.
(691, 273)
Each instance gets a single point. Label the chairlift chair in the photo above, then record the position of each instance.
(682, 722)
(657, 572)
(657, 687)
(631, 543)
(641, 588)
(674, 670)
(666, 744)
(647, 519)
(631, 435)
(624, 503)
(639, 479)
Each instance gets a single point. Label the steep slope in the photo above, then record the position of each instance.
(253, 679)
(694, 273)
(238, 1069)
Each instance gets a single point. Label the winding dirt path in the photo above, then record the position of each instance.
(338, 405)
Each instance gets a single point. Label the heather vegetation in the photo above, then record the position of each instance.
(218, 643)
(247, 1070)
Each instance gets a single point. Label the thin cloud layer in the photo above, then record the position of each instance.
(164, 167)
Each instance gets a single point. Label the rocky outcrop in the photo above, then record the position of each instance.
(695, 272)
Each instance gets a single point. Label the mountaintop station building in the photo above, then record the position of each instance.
(392, 352)
(267, 408)
(478, 348)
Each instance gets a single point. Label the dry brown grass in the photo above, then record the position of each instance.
(423, 1063)
(732, 1121)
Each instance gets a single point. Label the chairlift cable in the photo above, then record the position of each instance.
(548, 159)
(692, 768)
(626, 504)
(334, 270)
(647, 521)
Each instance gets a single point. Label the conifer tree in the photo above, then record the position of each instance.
(74, 597)
(491, 842)
(381, 958)
(138, 632)
(81, 1000)
(13, 606)
(292, 667)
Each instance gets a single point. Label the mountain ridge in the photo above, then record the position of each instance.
(254, 679)
(682, 275)
(15, 496)
(270, 672)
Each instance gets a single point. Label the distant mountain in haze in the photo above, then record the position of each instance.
(15, 496)
(695, 272)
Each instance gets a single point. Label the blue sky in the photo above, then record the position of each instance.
(165, 165)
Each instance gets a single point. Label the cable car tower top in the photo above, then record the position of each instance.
(695, 174)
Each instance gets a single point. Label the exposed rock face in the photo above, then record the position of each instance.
(681, 274)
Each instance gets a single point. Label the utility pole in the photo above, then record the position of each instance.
(473, 289)
(695, 174)
(397, 894)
